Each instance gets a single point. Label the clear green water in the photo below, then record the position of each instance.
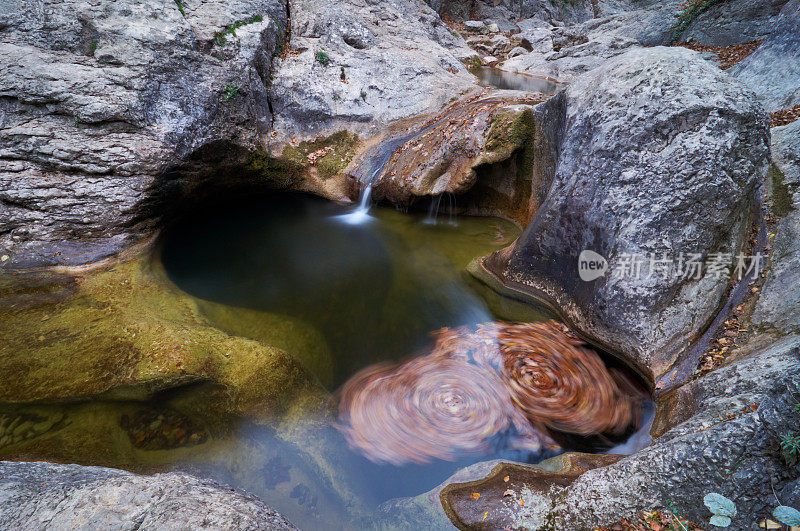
(356, 295)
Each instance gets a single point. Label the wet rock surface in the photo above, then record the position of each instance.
(45, 495)
(639, 129)
(773, 70)
(483, 146)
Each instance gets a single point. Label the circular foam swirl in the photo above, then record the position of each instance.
(559, 382)
(432, 407)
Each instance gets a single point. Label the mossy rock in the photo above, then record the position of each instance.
(125, 333)
(330, 155)
(511, 130)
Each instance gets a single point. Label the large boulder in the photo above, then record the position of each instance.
(773, 70)
(99, 99)
(658, 153)
(355, 65)
(49, 496)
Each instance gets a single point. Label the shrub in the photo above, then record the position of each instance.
(322, 58)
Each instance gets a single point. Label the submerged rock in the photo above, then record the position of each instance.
(659, 154)
(45, 495)
(126, 333)
(773, 70)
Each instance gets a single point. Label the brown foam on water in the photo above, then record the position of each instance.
(479, 382)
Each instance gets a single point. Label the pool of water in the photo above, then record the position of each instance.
(356, 295)
(494, 77)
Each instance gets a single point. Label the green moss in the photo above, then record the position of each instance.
(282, 171)
(221, 36)
(511, 131)
(781, 195)
(287, 169)
(126, 333)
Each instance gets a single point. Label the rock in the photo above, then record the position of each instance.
(630, 134)
(475, 26)
(517, 50)
(721, 436)
(500, 44)
(533, 23)
(734, 21)
(489, 60)
(99, 100)
(539, 40)
(398, 60)
(492, 27)
(567, 52)
(778, 307)
(786, 153)
(139, 335)
(773, 70)
(481, 149)
(45, 495)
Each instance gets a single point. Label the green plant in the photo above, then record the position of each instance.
(93, 45)
(221, 36)
(689, 13)
(342, 77)
(722, 508)
(322, 58)
(229, 92)
(179, 3)
(791, 444)
(364, 95)
(336, 97)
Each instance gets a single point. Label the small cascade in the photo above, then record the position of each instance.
(433, 210)
(361, 214)
(377, 162)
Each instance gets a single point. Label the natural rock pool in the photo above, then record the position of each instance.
(291, 272)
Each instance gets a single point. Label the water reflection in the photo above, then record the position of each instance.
(494, 77)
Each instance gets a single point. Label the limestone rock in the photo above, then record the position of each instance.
(99, 100)
(45, 495)
(778, 306)
(773, 70)
(658, 152)
(566, 52)
(355, 65)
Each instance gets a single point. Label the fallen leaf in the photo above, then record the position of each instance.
(485, 515)
(522, 502)
(475, 495)
(506, 479)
